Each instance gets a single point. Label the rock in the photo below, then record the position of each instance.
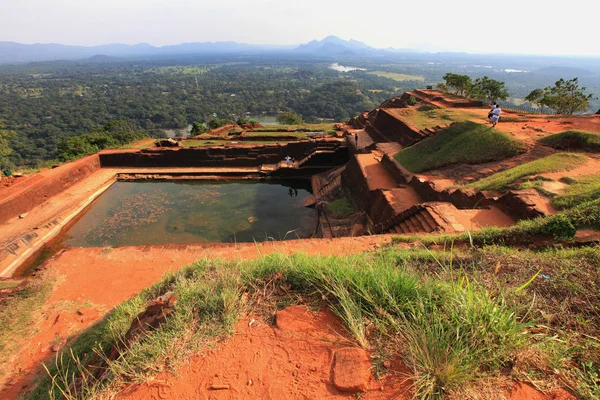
(351, 370)
(217, 386)
(23, 215)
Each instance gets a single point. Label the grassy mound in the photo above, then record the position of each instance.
(340, 208)
(584, 189)
(554, 163)
(455, 318)
(463, 142)
(573, 140)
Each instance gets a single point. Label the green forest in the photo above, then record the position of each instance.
(47, 104)
(44, 105)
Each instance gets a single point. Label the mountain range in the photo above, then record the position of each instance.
(11, 52)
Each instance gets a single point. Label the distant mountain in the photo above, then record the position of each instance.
(11, 52)
(333, 45)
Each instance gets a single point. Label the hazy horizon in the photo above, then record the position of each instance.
(513, 27)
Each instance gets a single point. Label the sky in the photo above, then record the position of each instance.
(500, 26)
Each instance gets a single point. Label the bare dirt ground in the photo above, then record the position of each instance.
(93, 281)
(294, 359)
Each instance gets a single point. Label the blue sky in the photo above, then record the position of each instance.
(507, 26)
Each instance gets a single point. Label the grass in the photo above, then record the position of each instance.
(462, 316)
(323, 127)
(298, 135)
(340, 208)
(427, 116)
(18, 316)
(562, 225)
(9, 284)
(397, 76)
(506, 179)
(585, 188)
(573, 140)
(463, 142)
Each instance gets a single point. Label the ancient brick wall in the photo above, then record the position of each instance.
(20, 200)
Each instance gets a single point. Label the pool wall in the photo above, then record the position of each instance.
(35, 190)
(334, 152)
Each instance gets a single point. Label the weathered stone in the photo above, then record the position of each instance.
(351, 370)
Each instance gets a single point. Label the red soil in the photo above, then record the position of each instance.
(27, 194)
(100, 279)
(299, 358)
(376, 174)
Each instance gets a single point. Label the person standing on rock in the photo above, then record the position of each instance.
(356, 138)
(495, 115)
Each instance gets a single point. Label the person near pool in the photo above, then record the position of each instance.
(495, 115)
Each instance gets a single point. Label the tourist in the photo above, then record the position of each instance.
(495, 115)
(356, 138)
(287, 160)
(493, 106)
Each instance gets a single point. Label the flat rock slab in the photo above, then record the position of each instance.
(351, 370)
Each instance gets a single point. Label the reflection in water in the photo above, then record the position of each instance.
(137, 213)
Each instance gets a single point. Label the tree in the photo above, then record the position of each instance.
(198, 128)
(566, 97)
(462, 84)
(489, 89)
(289, 118)
(442, 87)
(218, 122)
(5, 149)
(536, 97)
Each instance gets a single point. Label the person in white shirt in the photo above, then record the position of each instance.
(495, 115)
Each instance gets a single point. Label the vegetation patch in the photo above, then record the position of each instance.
(584, 189)
(554, 163)
(397, 76)
(18, 315)
(562, 225)
(466, 142)
(573, 140)
(323, 127)
(427, 116)
(461, 316)
(340, 208)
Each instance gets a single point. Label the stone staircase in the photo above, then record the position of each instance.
(423, 218)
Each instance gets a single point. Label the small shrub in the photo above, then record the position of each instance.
(426, 107)
(559, 226)
(412, 100)
(340, 208)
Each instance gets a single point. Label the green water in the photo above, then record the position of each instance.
(139, 213)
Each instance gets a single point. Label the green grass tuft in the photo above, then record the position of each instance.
(463, 142)
(573, 140)
(554, 163)
(340, 208)
(584, 189)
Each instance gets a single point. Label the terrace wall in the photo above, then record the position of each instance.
(21, 198)
(226, 156)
